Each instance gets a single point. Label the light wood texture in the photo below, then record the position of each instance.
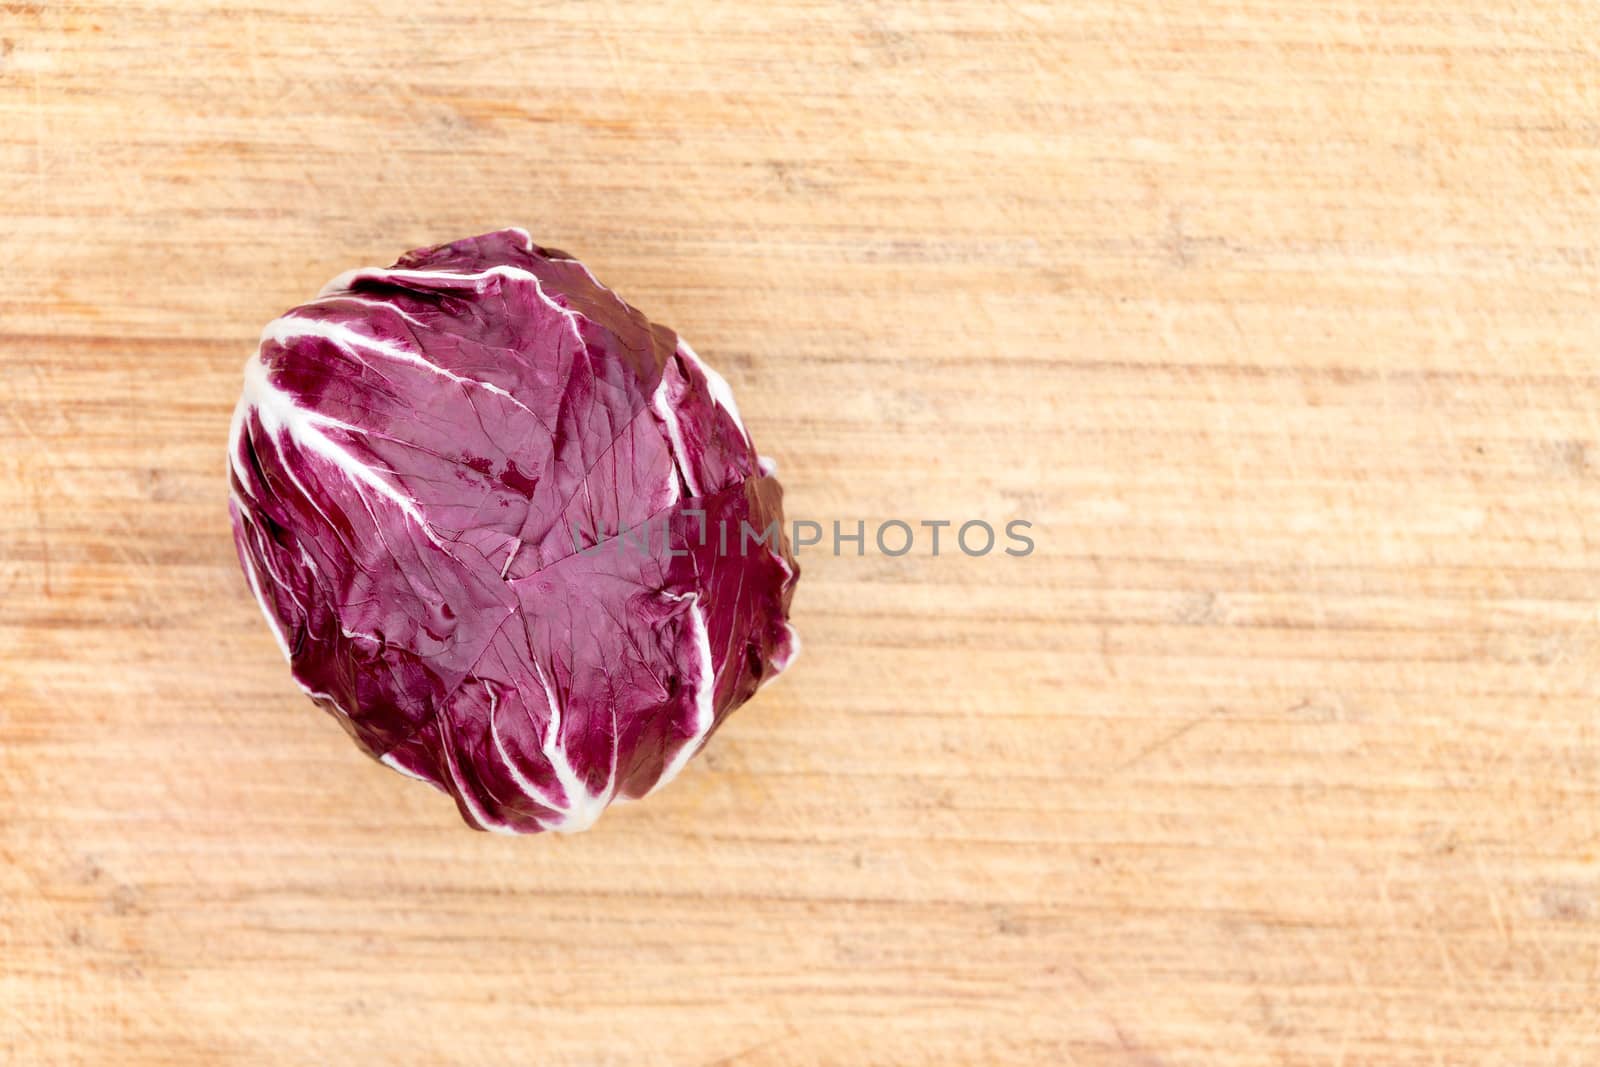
(1279, 321)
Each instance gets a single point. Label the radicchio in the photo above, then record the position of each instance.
(430, 467)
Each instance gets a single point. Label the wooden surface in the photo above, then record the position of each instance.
(1279, 320)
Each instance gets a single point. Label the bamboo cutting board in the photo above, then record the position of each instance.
(1278, 321)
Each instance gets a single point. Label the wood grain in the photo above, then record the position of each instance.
(1279, 320)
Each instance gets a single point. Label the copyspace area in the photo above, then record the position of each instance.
(1278, 322)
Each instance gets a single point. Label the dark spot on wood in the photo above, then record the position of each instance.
(1566, 903)
(1198, 609)
(1008, 925)
(124, 899)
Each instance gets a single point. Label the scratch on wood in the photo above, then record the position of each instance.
(1168, 739)
(44, 535)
